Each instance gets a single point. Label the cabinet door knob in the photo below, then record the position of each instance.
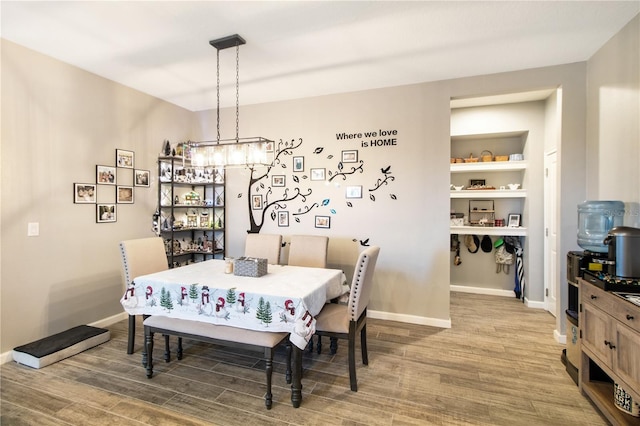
(607, 343)
(593, 296)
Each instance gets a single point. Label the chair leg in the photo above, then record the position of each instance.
(363, 344)
(132, 334)
(319, 345)
(167, 350)
(148, 340)
(287, 374)
(333, 345)
(268, 399)
(179, 348)
(352, 363)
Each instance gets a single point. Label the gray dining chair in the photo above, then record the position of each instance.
(339, 321)
(265, 246)
(140, 257)
(308, 250)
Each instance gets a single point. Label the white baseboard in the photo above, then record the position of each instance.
(560, 338)
(8, 356)
(495, 292)
(410, 319)
(481, 290)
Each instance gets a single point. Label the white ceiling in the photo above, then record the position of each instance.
(298, 49)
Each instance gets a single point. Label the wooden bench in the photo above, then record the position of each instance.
(261, 341)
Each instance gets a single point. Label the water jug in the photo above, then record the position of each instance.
(595, 219)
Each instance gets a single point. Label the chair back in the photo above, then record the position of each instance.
(308, 250)
(141, 257)
(266, 246)
(362, 282)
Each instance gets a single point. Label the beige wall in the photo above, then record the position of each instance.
(613, 127)
(59, 122)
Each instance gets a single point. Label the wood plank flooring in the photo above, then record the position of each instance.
(497, 365)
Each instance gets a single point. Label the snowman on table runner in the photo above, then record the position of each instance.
(242, 305)
(303, 329)
(288, 313)
(205, 307)
(130, 300)
(221, 311)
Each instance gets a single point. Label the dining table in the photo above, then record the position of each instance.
(285, 299)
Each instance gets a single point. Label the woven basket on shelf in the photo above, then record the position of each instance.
(486, 156)
(502, 158)
(471, 159)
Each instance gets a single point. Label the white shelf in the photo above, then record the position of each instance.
(489, 166)
(488, 193)
(489, 230)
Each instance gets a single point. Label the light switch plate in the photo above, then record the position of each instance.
(33, 229)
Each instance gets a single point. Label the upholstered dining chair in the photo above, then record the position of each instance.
(140, 257)
(308, 250)
(265, 246)
(339, 321)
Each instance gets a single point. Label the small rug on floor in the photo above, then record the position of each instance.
(59, 346)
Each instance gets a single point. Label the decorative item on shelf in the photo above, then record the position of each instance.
(219, 223)
(487, 156)
(516, 157)
(166, 148)
(624, 402)
(192, 219)
(238, 152)
(219, 200)
(471, 159)
(204, 219)
(192, 198)
(502, 158)
(457, 188)
(513, 186)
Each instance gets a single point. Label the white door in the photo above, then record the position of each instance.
(552, 274)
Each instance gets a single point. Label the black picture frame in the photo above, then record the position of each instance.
(84, 193)
(106, 213)
(141, 177)
(298, 164)
(124, 194)
(323, 222)
(106, 175)
(514, 220)
(124, 158)
(283, 218)
(350, 156)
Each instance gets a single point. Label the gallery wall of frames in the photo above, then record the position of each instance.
(107, 176)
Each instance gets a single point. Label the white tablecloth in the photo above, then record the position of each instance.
(286, 299)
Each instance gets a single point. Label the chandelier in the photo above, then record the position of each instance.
(236, 152)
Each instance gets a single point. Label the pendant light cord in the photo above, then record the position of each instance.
(218, 94)
(237, 92)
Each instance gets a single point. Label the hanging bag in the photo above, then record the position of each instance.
(504, 259)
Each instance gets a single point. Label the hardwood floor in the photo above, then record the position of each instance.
(497, 365)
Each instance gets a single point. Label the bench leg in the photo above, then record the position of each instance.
(167, 350)
(179, 348)
(148, 340)
(333, 346)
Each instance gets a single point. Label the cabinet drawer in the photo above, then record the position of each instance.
(628, 314)
(597, 297)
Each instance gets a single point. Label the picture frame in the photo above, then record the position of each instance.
(514, 221)
(323, 222)
(318, 174)
(350, 156)
(124, 194)
(141, 177)
(124, 158)
(354, 191)
(283, 218)
(106, 175)
(278, 180)
(256, 202)
(84, 193)
(479, 182)
(106, 213)
(298, 164)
